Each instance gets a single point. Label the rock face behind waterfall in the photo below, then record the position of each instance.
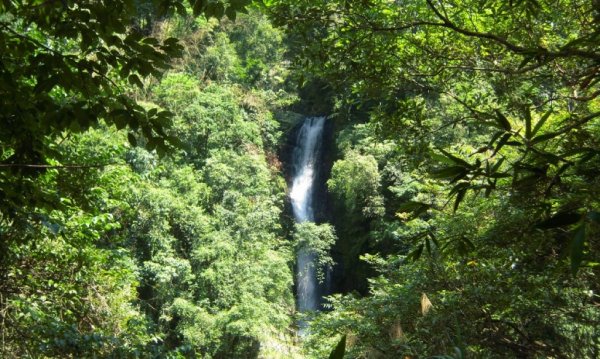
(309, 168)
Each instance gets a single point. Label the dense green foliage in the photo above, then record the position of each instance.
(142, 199)
(317, 240)
(117, 251)
(74, 64)
(481, 137)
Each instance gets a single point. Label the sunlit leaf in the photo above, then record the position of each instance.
(541, 123)
(544, 137)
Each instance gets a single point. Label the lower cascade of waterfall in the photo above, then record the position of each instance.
(306, 160)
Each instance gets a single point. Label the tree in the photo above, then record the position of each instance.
(490, 112)
(66, 65)
(117, 250)
(528, 84)
(315, 240)
(355, 181)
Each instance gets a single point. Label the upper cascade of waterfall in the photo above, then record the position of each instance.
(305, 166)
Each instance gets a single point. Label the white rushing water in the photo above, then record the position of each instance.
(306, 156)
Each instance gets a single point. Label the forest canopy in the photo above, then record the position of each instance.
(483, 119)
(145, 172)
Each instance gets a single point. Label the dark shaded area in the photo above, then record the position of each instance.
(316, 99)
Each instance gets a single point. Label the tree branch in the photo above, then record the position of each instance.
(55, 52)
(565, 52)
(69, 166)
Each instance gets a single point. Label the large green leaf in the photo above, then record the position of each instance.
(577, 247)
(527, 124)
(460, 195)
(544, 137)
(560, 219)
(458, 161)
(540, 123)
(198, 7)
(339, 350)
(449, 172)
(415, 207)
(502, 121)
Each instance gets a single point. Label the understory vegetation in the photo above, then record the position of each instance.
(144, 207)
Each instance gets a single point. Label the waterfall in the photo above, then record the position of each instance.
(306, 159)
